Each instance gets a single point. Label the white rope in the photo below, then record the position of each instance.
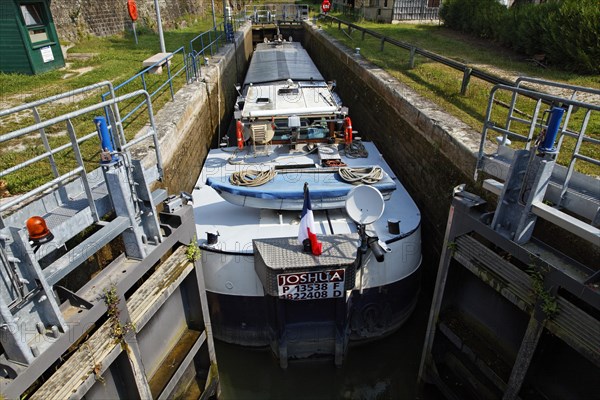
(368, 175)
(252, 177)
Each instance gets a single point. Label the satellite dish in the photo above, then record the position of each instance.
(364, 204)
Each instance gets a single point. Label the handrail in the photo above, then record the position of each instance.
(110, 105)
(46, 154)
(196, 54)
(567, 182)
(72, 114)
(212, 41)
(189, 64)
(71, 93)
(544, 82)
(466, 69)
(142, 75)
(516, 88)
(531, 94)
(58, 180)
(33, 107)
(574, 89)
(276, 12)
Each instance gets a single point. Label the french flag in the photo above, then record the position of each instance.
(307, 226)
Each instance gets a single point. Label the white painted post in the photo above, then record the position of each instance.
(160, 30)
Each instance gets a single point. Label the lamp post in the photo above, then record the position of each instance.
(212, 4)
(160, 31)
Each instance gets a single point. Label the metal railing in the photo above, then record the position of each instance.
(74, 142)
(277, 12)
(535, 124)
(190, 63)
(142, 78)
(565, 176)
(33, 107)
(467, 71)
(206, 42)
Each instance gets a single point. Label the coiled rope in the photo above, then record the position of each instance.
(368, 175)
(356, 150)
(252, 177)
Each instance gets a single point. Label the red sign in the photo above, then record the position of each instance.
(132, 9)
(326, 6)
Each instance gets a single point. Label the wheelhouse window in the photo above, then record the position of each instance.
(33, 16)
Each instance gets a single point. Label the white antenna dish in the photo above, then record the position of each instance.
(364, 204)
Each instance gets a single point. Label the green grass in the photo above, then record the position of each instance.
(114, 58)
(441, 84)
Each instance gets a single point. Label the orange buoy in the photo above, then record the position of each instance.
(132, 9)
(347, 127)
(239, 131)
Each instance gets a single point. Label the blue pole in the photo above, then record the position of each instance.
(556, 114)
(105, 141)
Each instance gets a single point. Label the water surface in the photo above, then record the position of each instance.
(385, 369)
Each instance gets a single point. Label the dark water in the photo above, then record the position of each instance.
(385, 369)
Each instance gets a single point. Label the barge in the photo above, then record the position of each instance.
(297, 155)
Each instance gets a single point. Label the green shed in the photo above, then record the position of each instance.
(28, 40)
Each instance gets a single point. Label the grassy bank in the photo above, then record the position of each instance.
(114, 58)
(441, 84)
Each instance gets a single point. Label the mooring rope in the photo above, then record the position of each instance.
(368, 175)
(252, 177)
(356, 150)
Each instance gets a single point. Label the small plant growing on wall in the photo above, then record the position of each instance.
(452, 246)
(118, 329)
(193, 251)
(547, 300)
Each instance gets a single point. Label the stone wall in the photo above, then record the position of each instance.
(430, 151)
(188, 125)
(77, 18)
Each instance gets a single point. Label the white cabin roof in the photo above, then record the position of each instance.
(286, 99)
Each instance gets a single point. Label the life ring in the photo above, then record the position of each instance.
(239, 131)
(347, 128)
(132, 9)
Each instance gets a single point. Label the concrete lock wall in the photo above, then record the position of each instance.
(430, 151)
(76, 18)
(186, 126)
